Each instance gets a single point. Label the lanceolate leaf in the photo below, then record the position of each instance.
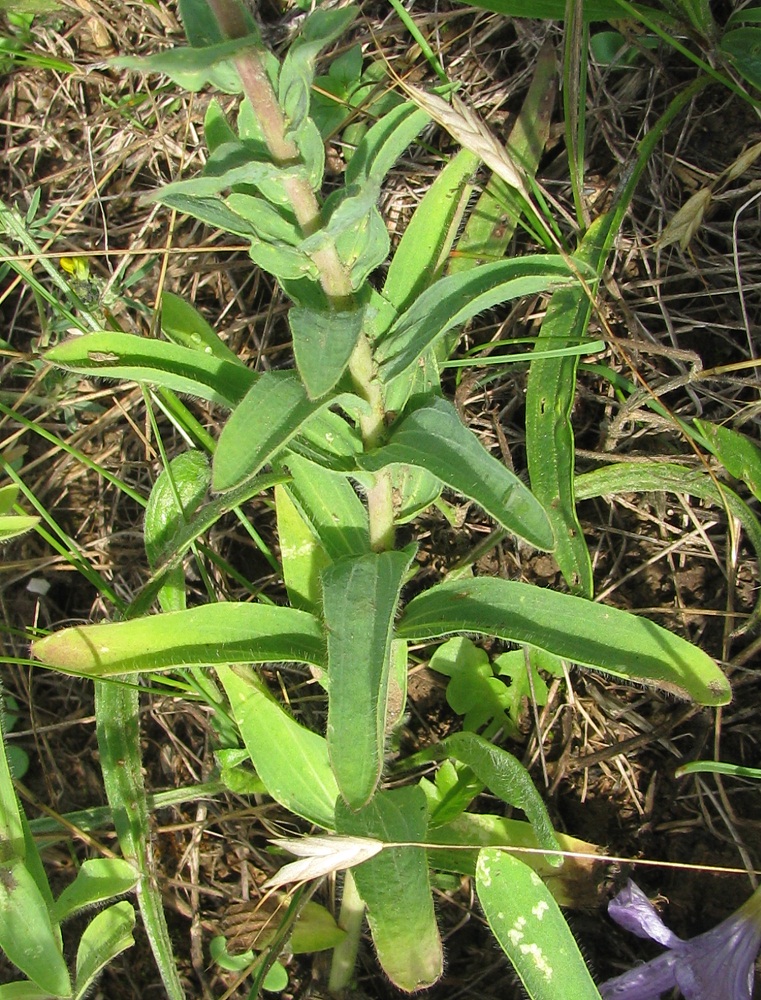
(360, 596)
(138, 359)
(504, 776)
(384, 143)
(322, 343)
(453, 300)
(395, 888)
(578, 630)
(261, 426)
(291, 761)
(433, 437)
(207, 635)
(331, 507)
(532, 931)
(427, 240)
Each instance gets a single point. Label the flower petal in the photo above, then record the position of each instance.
(633, 911)
(644, 982)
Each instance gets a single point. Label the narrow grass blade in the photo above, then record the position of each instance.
(117, 724)
(651, 477)
(202, 636)
(407, 940)
(573, 628)
(549, 434)
(360, 598)
(531, 930)
(291, 761)
(433, 437)
(154, 362)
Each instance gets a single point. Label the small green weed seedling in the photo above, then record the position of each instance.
(356, 439)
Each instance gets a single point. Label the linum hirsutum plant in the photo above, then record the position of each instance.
(356, 439)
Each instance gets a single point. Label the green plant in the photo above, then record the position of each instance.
(358, 438)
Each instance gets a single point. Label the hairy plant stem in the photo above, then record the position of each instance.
(334, 276)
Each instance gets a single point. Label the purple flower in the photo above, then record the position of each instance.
(717, 965)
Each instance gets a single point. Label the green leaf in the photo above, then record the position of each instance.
(270, 415)
(301, 554)
(409, 949)
(298, 68)
(187, 480)
(216, 128)
(578, 630)
(550, 394)
(230, 164)
(192, 68)
(23, 990)
(360, 597)
(453, 300)
(138, 359)
(206, 635)
(739, 455)
(424, 248)
(743, 47)
(27, 935)
(212, 211)
(573, 884)
(291, 761)
(8, 496)
(184, 325)
(384, 143)
(107, 935)
(13, 525)
(329, 505)
(97, 880)
(323, 342)
(473, 690)
(269, 221)
(433, 437)
(530, 928)
(504, 776)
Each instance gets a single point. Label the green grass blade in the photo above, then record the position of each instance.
(573, 628)
(652, 477)
(531, 930)
(117, 724)
(405, 934)
(549, 434)
(432, 437)
(360, 597)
